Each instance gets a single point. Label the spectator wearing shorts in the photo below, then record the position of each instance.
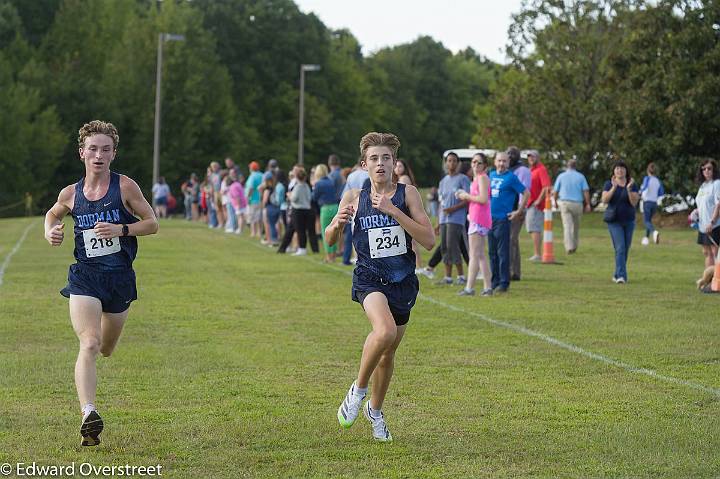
(252, 189)
(236, 193)
(707, 201)
(480, 225)
(540, 186)
(160, 192)
(452, 218)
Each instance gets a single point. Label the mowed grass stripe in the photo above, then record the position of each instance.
(234, 361)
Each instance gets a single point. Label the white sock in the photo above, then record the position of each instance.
(374, 413)
(88, 408)
(359, 392)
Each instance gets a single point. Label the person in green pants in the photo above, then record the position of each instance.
(325, 196)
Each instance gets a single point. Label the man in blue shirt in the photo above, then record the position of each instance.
(452, 218)
(355, 180)
(504, 190)
(571, 193)
(336, 176)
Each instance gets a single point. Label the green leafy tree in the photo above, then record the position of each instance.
(32, 139)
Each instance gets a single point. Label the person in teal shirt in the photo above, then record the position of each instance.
(252, 191)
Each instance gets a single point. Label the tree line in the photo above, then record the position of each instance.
(590, 79)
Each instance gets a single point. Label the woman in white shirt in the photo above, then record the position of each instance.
(708, 208)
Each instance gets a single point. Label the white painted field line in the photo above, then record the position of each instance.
(544, 337)
(576, 349)
(6, 262)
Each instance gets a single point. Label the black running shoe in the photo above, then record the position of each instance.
(91, 428)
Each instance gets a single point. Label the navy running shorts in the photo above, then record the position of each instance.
(115, 289)
(400, 296)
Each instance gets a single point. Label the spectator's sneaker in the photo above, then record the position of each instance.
(350, 408)
(656, 236)
(461, 280)
(534, 258)
(92, 426)
(487, 292)
(300, 252)
(645, 241)
(466, 292)
(620, 280)
(445, 281)
(428, 273)
(500, 290)
(380, 430)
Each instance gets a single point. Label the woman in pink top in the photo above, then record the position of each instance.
(480, 224)
(238, 199)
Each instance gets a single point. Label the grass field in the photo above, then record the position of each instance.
(234, 360)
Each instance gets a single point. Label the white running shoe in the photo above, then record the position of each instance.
(428, 273)
(461, 280)
(350, 408)
(380, 430)
(645, 241)
(656, 236)
(535, 258)
(300, 252)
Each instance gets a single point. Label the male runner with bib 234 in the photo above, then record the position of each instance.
(101, 285)
(386, 216)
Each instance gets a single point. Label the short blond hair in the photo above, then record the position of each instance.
(321, 171)
(98, 127)
(379, 139)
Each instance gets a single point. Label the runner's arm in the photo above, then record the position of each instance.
(54, 217)
(346, 210)
(139, 206)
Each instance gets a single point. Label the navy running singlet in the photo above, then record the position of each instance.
(383, 247)
(114, 254)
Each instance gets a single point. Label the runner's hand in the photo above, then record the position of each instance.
(345, 215)
(382, 203)
(107, 230)
(56, 235)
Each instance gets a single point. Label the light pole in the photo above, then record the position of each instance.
(303, 68)
(162, 37)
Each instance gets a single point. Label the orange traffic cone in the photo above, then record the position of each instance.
(715, 285)
(548, 256)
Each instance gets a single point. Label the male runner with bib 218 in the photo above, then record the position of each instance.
(386, 216)
(101, 284)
